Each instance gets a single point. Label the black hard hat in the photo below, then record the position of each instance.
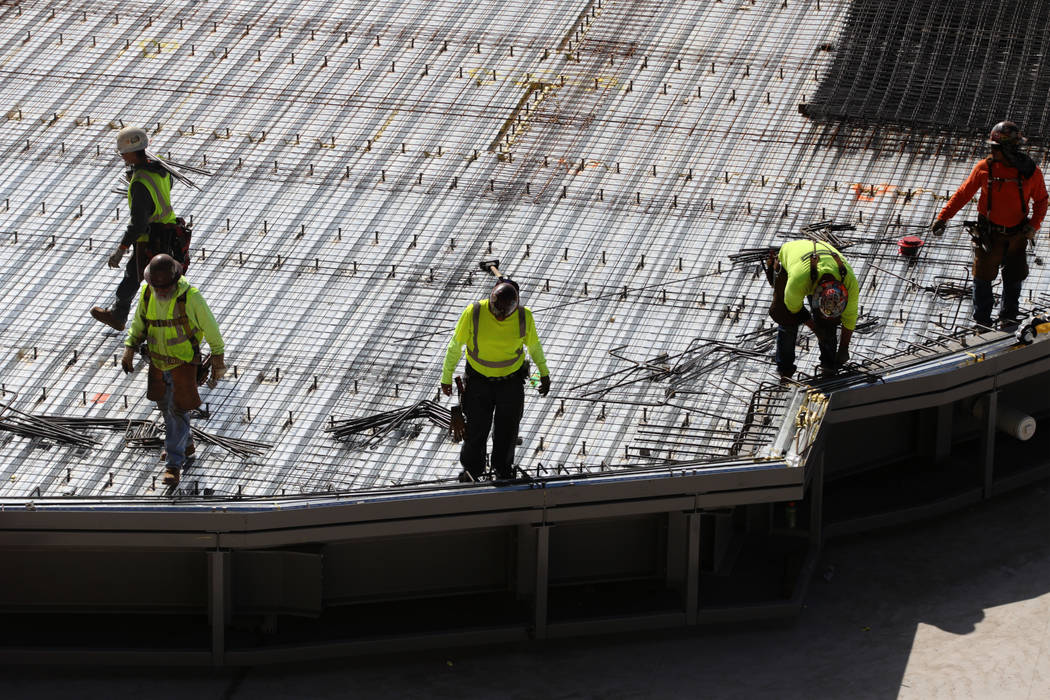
(504, 299)
(162, 271)
(1005, 133)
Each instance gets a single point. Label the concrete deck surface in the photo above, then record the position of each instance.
(958, 607)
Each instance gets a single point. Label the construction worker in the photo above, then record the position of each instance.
(494, 331)
(807, 268)
(172, 317)
(1007, 179)
(152, 228)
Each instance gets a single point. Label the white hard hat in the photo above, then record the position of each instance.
(132, 138)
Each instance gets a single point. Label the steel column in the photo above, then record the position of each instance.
(542, 564)
(692, 571)
(990, 413)
(218, 603)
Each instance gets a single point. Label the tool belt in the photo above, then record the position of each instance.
(520, 374)
(983, 232)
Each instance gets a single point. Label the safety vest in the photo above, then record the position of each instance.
(474, 351)
(171, 339)
(159, 187)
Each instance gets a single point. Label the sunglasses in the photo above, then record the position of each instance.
(165, 287)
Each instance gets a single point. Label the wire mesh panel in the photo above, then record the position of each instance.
(616, 157)
(957, 66)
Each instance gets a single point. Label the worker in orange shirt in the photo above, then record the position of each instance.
(1008, 179)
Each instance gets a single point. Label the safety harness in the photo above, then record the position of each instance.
(1020, 187)
(180, 320)
(474, 351)
(815, 255)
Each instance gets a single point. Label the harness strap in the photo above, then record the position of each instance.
(180, 320)
(1020, 187)
(474, 351)
(813, 263)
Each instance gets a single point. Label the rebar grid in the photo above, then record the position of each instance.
(367, 155)
(959, 66)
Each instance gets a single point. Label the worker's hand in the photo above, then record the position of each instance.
(446, 389)
(1030, 232)
(938, 226)
(842, 356)
(218, 370)
(116, 256)
(545, 385)
(127, 363)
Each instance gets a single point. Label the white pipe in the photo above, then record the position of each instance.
(1014, 422)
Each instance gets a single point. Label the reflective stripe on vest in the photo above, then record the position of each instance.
(474, 352)
(180, 321)
(159, 188)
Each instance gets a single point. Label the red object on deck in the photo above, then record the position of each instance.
(909, 246)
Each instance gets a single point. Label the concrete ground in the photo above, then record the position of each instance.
(954, 608)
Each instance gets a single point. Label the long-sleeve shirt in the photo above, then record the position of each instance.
(167, 342)
(1007, 206)
(142, 209)
(794, 259)
(498, 342)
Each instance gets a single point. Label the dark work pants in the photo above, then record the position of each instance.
(127, 289)
(827, 342)
(496, 405)
(787, 331)
(1006, 251)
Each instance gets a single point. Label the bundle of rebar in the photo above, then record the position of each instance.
(28, 425)
(824, 232)
(150, 434)
(236, 446)
(382, 424)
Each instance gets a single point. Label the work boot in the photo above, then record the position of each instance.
(191, 450)
(1008, 322)
(171, 476)
(466, 477)
(823, 371)
(106, 316)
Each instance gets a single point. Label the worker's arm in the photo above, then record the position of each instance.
(532, 343)
(141, 209)
(138, 323)
(1039, 199)
(850, 313)
(201, 317)
(454, 351)
(797, 288)
(978, 177)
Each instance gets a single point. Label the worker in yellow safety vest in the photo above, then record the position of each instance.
(172, 317)
(495, 332)
(153, 228)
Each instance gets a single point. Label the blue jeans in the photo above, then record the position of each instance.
(176, 425)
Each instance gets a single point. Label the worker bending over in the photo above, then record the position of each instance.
(495, 331)
(1007, 179)
(173, 317)
(802, 269)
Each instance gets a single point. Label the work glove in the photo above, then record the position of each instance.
(218, 370)
(1030, 232)
(938, 226)
(841, 357)
(446, 389)
(127, 363)
(545, 385)
(116, 256)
